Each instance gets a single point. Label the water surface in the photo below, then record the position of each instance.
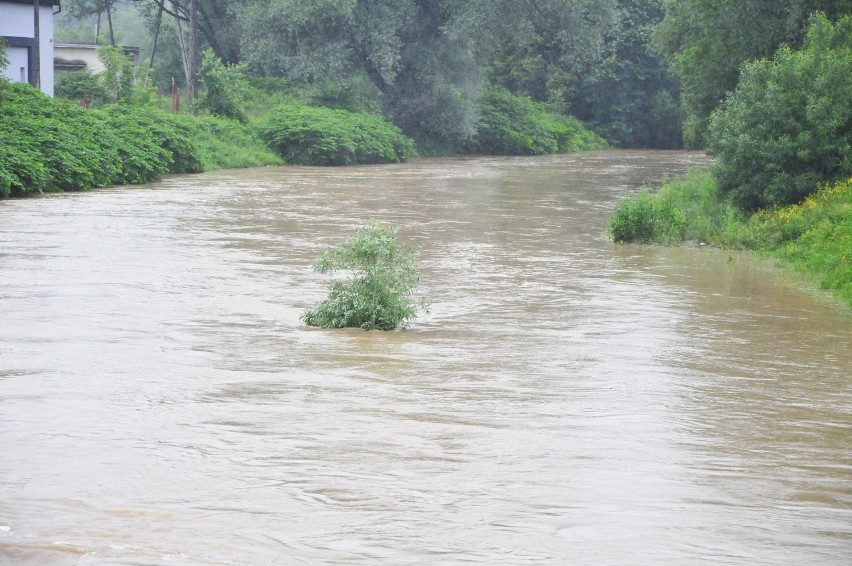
(566, 400)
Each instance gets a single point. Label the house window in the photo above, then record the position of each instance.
(23, 74)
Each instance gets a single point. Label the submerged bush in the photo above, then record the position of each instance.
(647, 218)
(514, 125)
(814, 237)
(306, 135)
(379, 294)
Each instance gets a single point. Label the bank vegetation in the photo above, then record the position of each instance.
(781, 182)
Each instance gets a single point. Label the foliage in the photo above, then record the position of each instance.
(223, 87)
(413, 51)
(72, 85)
(308, 135)
(788, 125)
(631, 97)
(49, 144)
(4, 59)
(543, 48)
(646, 218)
(706, 41)
(689, 209)
(814, 237)
(222, 143)
(379, 294)
(513, 125)
(117, 76)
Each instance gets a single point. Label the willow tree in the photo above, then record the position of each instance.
(415, 53)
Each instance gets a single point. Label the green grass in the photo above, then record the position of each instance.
(813, 238)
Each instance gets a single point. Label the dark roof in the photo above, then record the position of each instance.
(30, 2)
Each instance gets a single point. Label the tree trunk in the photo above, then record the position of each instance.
(193, 50)
(109, 19)
(182, 44)
(154, 44)
(36, 78)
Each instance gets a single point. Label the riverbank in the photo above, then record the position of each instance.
(50, 145)
(813, 238)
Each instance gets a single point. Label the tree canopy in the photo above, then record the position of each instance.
(643, 73)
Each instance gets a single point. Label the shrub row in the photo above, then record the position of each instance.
(308, 135)
(49, 145)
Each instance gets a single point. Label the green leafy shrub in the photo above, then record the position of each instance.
(306, 135)
(788, 125)
(222, 143)
(223, 87)
(51, 145)
(72, 85)
(814, 237)
(515, 125)
(647, 218)
(379, 295)
(117, 76)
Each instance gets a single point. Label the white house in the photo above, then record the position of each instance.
(17, 25)
(79, 56)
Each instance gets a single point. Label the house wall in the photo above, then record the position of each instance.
(88, 54)
(16, 21)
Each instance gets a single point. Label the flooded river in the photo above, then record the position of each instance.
(566, 400)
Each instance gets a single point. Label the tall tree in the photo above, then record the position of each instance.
(707, 41)
(415, 52)
(543, 48)
(83, 9)
(631, 97)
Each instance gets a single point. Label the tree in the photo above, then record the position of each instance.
(4, 59)
(83, 9)
(631, 97)
(543, 48)
(706, 41)
(412, 51)
(380, 293)
(788, 125)
(117, 76)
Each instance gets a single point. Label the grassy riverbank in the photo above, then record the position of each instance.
(814, 238)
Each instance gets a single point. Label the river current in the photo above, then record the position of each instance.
(565, 401)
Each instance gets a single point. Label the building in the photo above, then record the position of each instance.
(17, 28)
(79, 56)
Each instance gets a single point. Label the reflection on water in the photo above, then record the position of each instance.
(566, 401)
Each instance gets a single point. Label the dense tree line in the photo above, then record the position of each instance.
(640, 72)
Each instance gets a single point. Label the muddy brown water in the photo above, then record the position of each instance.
(566, 400)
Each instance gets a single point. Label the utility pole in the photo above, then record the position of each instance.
(36, 48)
(193, 50)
